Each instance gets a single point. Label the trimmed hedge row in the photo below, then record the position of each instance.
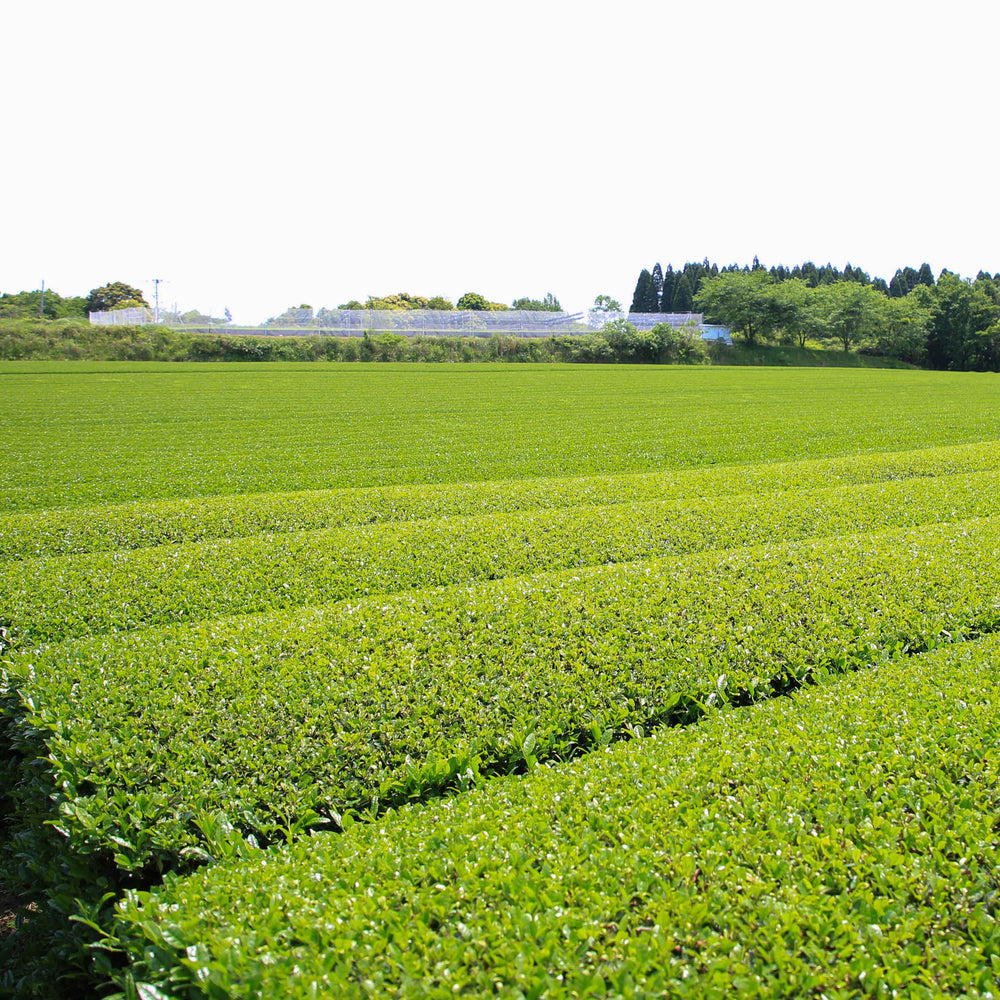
(840, 843)
(133, 746)
(155, 522)
(53, 599)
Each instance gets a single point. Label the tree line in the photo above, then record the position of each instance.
(947, 323)
(48, 304)
(303, 315)
(670, 291)
(470, 300)
(950, 323)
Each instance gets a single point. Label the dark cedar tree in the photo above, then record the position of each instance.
(644, 298)
(667, 296)
(657, 283)
(683, 294)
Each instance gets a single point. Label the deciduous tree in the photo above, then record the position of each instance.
(903, 329)
(14, 305)
(549, 304)
(962, 311)
(795, 310)
(112, 294)
(605, 303)
(479, 303)
(851, 312)
(743, 301)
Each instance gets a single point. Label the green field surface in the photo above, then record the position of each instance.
(327, 624)
(78, 433)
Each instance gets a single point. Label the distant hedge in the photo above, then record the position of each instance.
(72, 340)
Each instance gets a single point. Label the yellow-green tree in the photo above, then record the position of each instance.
(114, 293)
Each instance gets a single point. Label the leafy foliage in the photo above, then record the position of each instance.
(744, 301)
(52, 305)
(962, 316)
(853, 312)
(838, 843)
(112, 295)
(478, 303)
(549, 304)
(606, 304)
(952, 323)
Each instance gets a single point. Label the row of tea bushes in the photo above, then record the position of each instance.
(155, 522)
(839, 843)
(132, 746)
(51, 599)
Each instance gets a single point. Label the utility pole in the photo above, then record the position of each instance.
(156, 299)
(41, 301)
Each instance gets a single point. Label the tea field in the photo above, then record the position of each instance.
(324, 681)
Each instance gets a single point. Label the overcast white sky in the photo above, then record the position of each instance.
(257, 156)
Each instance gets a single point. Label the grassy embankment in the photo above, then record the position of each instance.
(76, 340)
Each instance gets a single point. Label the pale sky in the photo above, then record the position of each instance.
(257, 156)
